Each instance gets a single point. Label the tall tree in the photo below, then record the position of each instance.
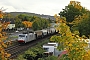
(3, 54)
(24, 17)
(18, 23)
(35, 25)
(73, 9)
(72, 45)
(40, 23)
(83, 26)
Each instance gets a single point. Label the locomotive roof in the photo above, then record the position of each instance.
(26, 32)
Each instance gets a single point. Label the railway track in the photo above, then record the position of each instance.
(18, 49)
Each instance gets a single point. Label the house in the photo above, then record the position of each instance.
(51, 49)
(11, 20)
(11, 25)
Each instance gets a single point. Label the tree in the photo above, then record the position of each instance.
(32, 18)
(34, 53)
(1, 14)
(72, 10)
(83, 26)
(24, 17)
(35, 26)
(27, 24)
(3, 54)
(76, 17)
(18, 23)
(74, 45)
(40, 23)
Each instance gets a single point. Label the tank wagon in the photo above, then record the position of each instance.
(30, 36)
(45, 32)
(39, 34)
(53, 30)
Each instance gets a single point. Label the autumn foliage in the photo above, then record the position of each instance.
(3, 54)
(76, 4)
(27, 24)
(75, 46)
(1, 14)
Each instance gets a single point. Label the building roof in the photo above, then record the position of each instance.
(49, 45)
(11, 20)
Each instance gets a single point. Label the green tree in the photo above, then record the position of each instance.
(24, 17)
(72, 10)
(18, 23)
(77, 17)
(35, 26)
(32, 18)
(40, 23)
(34, 53)
(83, 26)
(71, 43)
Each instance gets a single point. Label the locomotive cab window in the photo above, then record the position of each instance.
(21, 35)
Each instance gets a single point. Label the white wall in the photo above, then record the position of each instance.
(10, 26)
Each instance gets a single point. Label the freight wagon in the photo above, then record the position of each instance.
(30, 36)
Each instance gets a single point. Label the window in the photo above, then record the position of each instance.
(21, 35)
(12, 25)
(46, 49)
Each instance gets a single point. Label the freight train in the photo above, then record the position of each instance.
(30, 36)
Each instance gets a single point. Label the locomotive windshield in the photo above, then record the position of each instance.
(21, 35)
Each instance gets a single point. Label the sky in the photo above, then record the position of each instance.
(46, 7)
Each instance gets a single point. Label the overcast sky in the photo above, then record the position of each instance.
(47, 7)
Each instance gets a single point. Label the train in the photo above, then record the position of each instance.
(34, 35)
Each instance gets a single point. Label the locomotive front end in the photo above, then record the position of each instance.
(22, 38)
